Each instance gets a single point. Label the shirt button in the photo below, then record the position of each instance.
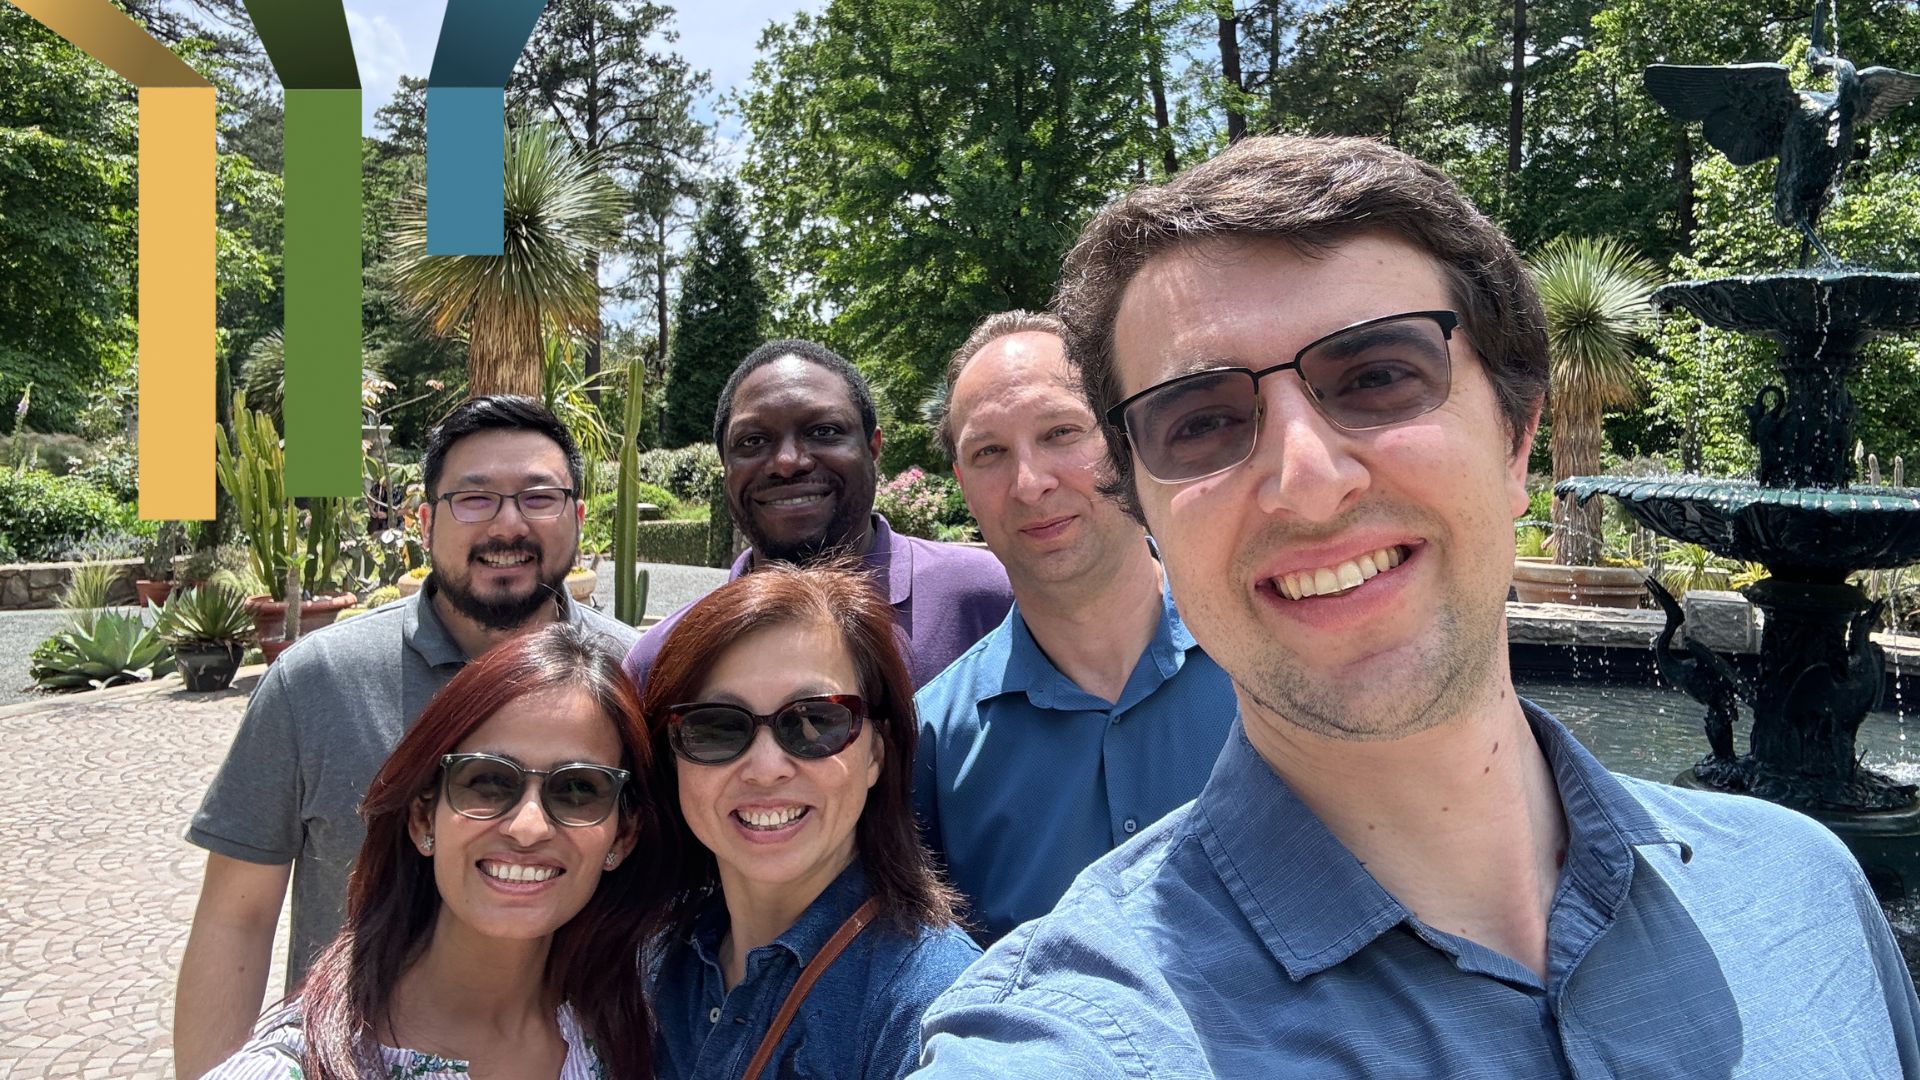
(713, 1015)
(1130, 825)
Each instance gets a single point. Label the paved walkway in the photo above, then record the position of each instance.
(96, 886)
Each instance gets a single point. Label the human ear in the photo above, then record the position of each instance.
(420, 823)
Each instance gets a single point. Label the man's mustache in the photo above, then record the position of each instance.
(506, 547)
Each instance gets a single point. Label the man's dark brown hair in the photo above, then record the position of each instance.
(1310, 193)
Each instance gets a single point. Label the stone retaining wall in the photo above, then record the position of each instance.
(39, 585)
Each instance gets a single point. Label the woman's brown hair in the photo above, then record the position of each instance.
(901, 872)
(392, 899)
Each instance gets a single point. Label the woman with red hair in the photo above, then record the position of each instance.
(810, 929)
(498, 910)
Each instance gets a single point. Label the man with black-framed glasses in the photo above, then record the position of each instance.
(1321, 372)
(502, 521)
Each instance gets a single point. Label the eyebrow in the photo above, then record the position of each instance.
(531, 478)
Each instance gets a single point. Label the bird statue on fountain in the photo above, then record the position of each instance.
(1750, 112)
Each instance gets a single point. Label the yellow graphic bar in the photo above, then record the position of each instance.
(105, 33)
(177, 227)
(176, 198)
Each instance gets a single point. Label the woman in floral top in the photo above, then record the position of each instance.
(497, 892)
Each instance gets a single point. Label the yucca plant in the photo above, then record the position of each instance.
(205, 615)
(106, 648)
(88, 586)
(1597, 295)
(561, 211)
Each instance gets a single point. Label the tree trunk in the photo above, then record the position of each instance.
(1230, 68)
(504, 352)
(1576, 452)
(1516, 109)
(1273, 63)
(1157, 88)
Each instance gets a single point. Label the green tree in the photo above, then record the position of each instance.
(918, 163)
(66, 223)
(595, 68)
(1596, 295)
(559, 208)
(718, 318)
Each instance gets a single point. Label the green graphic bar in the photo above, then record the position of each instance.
(323, 292)
(312, 52)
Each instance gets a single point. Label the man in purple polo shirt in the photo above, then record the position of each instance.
(800, 443)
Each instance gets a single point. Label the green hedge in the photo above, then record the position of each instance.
(682, 542)
(44, 517)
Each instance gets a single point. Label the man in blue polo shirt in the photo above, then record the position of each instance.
(1321, 371)
(1089, 712)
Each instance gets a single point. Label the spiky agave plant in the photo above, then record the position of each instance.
(1597, 293)
(561, 209)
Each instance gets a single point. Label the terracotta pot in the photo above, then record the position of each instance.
(408, 585)
(207, 665)
(270, 615)
(581, 583)
(152, 592)
(271, 649)
(1539, 580)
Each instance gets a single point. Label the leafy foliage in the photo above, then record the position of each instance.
(719, 319)
(917, 502)
(101, 649)
(44, 517)
(560, 209)
(211, 614)
(689, 472)
(916, 164)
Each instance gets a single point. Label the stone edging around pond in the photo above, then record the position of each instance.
(1624, 628)
(39, 585)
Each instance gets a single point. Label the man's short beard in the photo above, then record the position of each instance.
(509, 613)
(834, 540)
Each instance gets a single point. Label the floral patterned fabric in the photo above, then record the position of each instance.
(275, 1050)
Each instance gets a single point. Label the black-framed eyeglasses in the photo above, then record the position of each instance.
(1372, 374)
(714, 733)
(484, 786)
(534, 503)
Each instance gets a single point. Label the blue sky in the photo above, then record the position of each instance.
(396, 37)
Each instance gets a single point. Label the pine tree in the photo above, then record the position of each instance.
(718, 319)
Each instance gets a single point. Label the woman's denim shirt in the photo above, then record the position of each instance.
(860, 1022)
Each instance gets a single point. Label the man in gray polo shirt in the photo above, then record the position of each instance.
(503, 527)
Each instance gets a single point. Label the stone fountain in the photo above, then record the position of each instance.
(1819, 673)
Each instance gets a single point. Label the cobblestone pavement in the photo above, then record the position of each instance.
(97, 888)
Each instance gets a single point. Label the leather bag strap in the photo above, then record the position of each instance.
(815, 968)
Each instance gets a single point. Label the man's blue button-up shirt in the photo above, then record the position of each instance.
(1022, 778)
(861, 1021)
(1691, 935)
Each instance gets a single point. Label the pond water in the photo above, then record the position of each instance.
(1654, 732)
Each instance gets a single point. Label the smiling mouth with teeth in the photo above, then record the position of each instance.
(504, 559)
(517, 872)
(770, 819)
(795, 500)
(1336, 580)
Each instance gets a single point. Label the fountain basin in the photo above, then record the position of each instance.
(1861, 528)
(1824, 312)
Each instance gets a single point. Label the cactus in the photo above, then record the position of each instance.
(629, 581)
(253, 471)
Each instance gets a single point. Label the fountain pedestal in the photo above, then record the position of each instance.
(1819, 671)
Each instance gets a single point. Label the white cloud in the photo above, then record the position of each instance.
(380, 49)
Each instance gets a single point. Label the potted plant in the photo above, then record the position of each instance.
(156, 563)
(412, 581)
(581, 581)
(295, 552)
(209, 628)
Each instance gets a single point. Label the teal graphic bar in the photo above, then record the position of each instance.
(480, 40)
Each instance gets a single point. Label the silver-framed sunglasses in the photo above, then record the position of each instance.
(485, 786)
(1372, 374)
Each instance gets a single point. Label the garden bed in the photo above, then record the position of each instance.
(26, 586)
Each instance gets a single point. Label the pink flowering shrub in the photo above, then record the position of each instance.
(914, 502)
